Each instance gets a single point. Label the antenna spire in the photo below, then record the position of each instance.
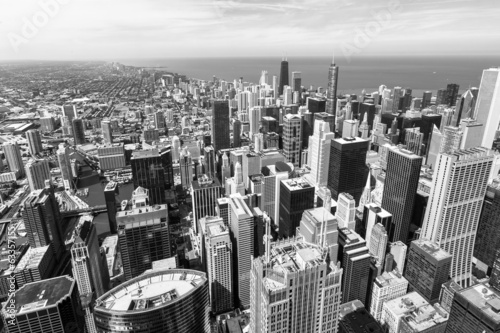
(333, 56)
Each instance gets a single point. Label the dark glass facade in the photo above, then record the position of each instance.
(487, 240)
(148, 172)
(220, 125)
(110, 192)
(283, 77)
(294, 200)
(78, 131)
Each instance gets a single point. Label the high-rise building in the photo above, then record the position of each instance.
(159, 119)
(457, 195)
(353, 318)
(148, 172)
(78, 131)
(37, 171)
(372, 215)
(400, 188)
(414, 140)
(441, 97)
(69, 111)
(186, 167)
(394, 310)
(451, 139)
(34, 141)
(13, 157)
(65, 166)
(475, 309)
(427, 268)
(143, 234)
(319, 153)
(283, 76)
(278, 282)
(331, 92)
(35, 264)
(292, 138)
(488, 102)
(236, 133)
(107, 131)
(111, 156)
(452, 93)
(355, 262)
(220, 125)
(90, 269)
(318, 226)
(296, 81)
(378, 244)
(398, 250)
(50, 305)
(296, 195)
(47, 124)
(386, 287)
(110, 196)
(464, 108)
(42, 220)
(171, 300)
(204, 193)
(219, 258)
(347, 167)
(255, 115)
(346, 211)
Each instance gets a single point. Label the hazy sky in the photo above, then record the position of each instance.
(118, 29)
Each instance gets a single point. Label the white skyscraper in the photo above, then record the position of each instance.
(488, 104)
(37, 171)
(292, 138)
(346, 211)
(386, 287)
(287, 95)
(65, 166)
(319, 153)
(255, 115)
(13, 156)
(176, 148)
(378, 243)
(399, 250)
(455, 202)
(34, 141)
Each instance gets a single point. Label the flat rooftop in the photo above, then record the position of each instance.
(432, 249)
(484, 299)
(42, 294)
(405, 304)
(296, 184)
(150, 290)
(390, 279)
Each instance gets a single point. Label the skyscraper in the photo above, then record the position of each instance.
(292, 138)
(34, 141)
(65, 166)
(143, 234)
(387, 286)
(13, 156)
(220, 125)
(296, 195)
(204, 193)
(319, 153)
(236, 133)
(219, 254)
(347, 167)
(78, 131)
(331, 93)
(452, 93)
(353, 318)
(186, 167)
(42, 220)
(148, 172)
(69, 111)
(278, 284)
(296, 81)
(107, 131)
(37, 171)
(427, 268)
(110, 192)
(400, 188)
(488, 101)
(254, 115)
(346, 211)
(283, 76)
(456, 199)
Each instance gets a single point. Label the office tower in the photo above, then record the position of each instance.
(353, 318)
(396, 96)
(426, 99)
(487, 103)
(448, 291)
(107, 131)
(236, 133)
(296, 195)
(472, 133)
(296, 81)
(235, 185)
(35, 264)
(441, 97)
(355, 262)
(398, 250)
(225, 168)
(427, 268)
(12, 154)
(319, 153)
(318, 226)
(464, 108)
(151, 135)
(111, 156)
(434, 147)
(364, 129)
(372, 215)
(350, 128)
(275, 87)
(487, 241)
(89, 268)
(37, 171)
(292, 138)
(414, 140)
(78, 131)
(110, 196)
(250, 166)
(331, 93)
(42, 220)
(264, 78)
(219, 259)
(34, 141)
(220, 125)
(65, 166)
(176, 148)
(161, 300)
(456, 199)
(47, 124)
(204, 193)
(241, 223)
(400, 188)
(475, 309)
(452, 93)
(258, 140)
(283, 77)
(397, 308)
(186, 168)
(69, 111)
(50, 305)
(326, 117)
(255, 115)
(282, 171)
(346, 211)
(143, 234)
(159, 119)
(287, 96)
(388, 286)
(268, 203)
(278, 301)
(378, 244)
(148, 172)
(347, 167)
(209, 159)
(451, 139)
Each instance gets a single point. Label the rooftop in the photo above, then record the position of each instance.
(42, 294)
(150, 290)
(484, 299)
(426, 317)
(405, 304)
(390, 279)
(296, 184)
(432, 249)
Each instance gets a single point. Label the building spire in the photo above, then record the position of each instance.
(333, 57)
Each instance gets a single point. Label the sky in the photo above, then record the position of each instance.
(118, 29)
